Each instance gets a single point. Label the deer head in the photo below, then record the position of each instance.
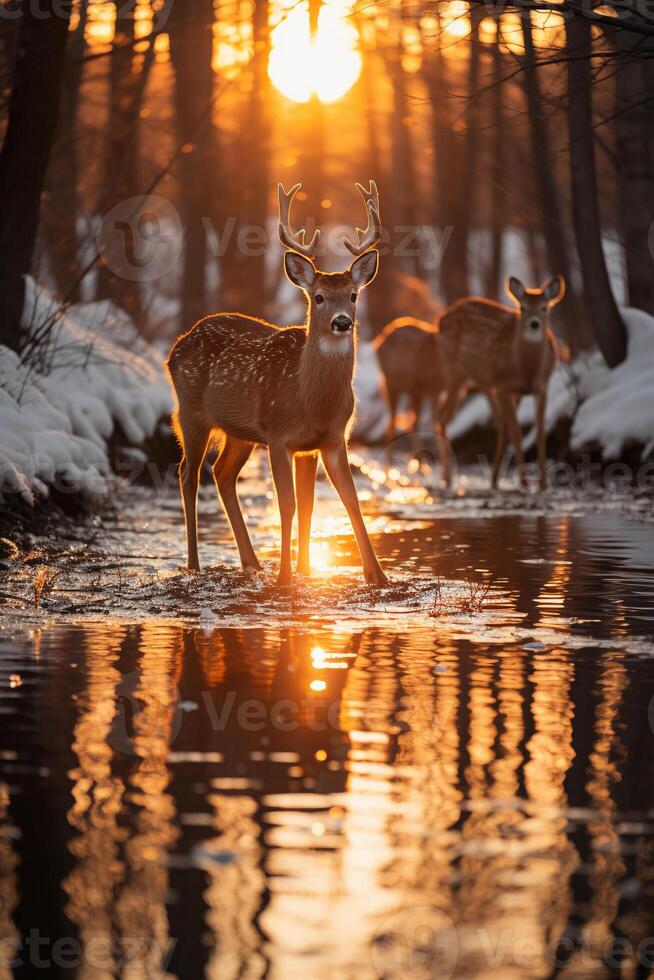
(332, 296)
(535, 306)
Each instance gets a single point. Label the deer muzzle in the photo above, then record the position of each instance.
(342, 323)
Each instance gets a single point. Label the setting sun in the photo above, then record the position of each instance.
(326, 65)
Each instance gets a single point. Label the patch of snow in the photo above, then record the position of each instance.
(618, 408)
(55, 423)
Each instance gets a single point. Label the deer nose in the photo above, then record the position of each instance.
(534, 323)
(341, 323)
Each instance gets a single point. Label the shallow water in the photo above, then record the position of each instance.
(207, 776)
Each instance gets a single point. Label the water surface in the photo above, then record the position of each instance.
(455, 779)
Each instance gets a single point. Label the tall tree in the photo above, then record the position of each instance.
(633, 126)
(127, 81)
(260, 149)
(608, 326)
(573, 310)
(464, 201)
(445, 143)
(497, 173)
(401, 206)
(61, 205)
(33, 111)
(191, 47)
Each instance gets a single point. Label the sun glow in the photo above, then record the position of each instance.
(320, 557)
(326, 65)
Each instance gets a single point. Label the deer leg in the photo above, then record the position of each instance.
(500, 443)
(415, 406)
(541, 402)
(441, 440)
(389, 435)
(305, 480)
(507, 405)
(338, 470)
(445, 413)
(195, 438)
(282, 471)
(235, 453)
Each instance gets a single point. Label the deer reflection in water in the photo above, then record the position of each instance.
(253, 800)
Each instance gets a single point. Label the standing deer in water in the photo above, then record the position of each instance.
(505, 352)
(288, 388)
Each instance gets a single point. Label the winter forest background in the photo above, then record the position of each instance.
(143, 143)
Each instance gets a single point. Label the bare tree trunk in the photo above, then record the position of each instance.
(258, 189)
(191, 45)
(33, 111)
(122, 150)
(455, 262)
(402, 204)
(573, 312)
(60, 211)
(634, 122)
(379, 296)
(608, 326)
(498, 197)
(446, 146)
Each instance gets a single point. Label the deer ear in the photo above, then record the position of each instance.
(514, 287)
(300, 270)
(554, 290)
(364, 269)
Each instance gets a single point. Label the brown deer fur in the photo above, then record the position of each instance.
(407, 351)
(288, 388)
(507, 352)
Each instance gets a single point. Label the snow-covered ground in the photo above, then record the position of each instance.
(99, 374)
(55, 423)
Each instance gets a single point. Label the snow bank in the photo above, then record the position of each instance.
(619, 406)
(55, 421)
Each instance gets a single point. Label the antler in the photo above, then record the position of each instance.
(366, 239)
(293, 239)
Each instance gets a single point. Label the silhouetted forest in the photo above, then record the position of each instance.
(516, 138)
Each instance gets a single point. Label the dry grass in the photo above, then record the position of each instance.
(471, 601)
(44, 581)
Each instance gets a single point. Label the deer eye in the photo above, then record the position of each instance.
(319, 298)
(353, 297)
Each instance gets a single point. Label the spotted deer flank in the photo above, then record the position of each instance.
(506, 352)
(287, 388)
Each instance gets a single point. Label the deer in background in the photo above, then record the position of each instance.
(287, 388)
(507, 353)
(407, 351)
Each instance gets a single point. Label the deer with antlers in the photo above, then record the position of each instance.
(505, 352)
(287, 388)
